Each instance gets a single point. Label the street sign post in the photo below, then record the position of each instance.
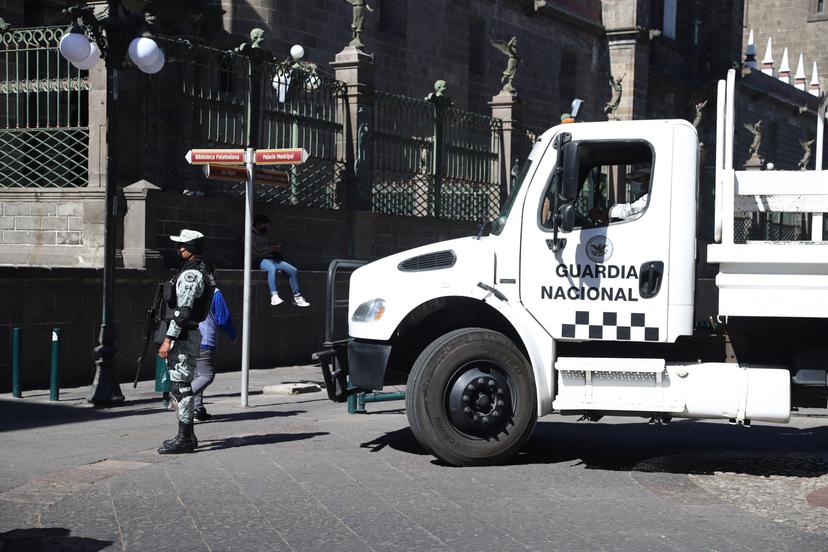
(222, 164)
(294, 156)
(215, 156)
(230, 173)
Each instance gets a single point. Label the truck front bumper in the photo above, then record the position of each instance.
(367, 361)
(350, 365)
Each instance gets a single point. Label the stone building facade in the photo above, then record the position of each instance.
(669, 52)
(801, 26)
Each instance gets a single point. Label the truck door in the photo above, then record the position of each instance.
(608, 279)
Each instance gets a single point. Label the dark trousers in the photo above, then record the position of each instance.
(205, 373)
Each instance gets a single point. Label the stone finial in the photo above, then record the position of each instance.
(615, 100)
(767, 61)
(510, 50)
(813, 87)
(785, 68)
(799, 76)
(750, 53)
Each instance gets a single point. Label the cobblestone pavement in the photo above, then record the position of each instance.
(298, 473)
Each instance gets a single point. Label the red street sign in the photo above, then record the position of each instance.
(274, 178)
(215, 156)
(240, 174)
(293, 156)
(223, 172)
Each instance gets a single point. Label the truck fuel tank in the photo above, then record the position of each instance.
(682, 390)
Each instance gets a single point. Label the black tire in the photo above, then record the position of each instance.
(455, 387)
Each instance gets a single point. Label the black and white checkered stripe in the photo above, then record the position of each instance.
(606, 326)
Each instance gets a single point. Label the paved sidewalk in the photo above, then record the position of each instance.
(298, 473)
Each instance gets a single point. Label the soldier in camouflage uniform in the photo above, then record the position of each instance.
(188, 297)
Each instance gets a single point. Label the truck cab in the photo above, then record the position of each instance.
(581, 300)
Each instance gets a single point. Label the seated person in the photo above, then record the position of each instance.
(267, 255)
(639, 185)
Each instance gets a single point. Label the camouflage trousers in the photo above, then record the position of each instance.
(181, 363)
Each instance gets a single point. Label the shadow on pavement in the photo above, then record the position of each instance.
(20, 414)
(683, 447)
(248, 440)
(234, 394)
(402, 440)
(251, 415)
(48, 539)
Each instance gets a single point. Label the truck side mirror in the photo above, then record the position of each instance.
(566, 217)
(571, 167)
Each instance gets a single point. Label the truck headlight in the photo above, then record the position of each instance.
(369, 311)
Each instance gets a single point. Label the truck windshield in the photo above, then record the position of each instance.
(500, 222)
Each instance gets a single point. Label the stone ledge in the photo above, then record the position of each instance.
(291, 389)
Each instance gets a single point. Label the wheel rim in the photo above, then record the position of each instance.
(479, 399)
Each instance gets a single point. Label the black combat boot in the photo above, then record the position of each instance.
(184, 442)
(181, 427)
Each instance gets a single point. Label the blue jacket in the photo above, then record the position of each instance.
(218, 317)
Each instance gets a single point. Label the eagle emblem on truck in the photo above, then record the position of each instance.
(599, 249)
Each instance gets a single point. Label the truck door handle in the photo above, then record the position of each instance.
(649, 279)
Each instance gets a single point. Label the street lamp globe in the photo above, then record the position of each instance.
(74, 46)
(90, 61)
(297, 52)
(155, 67)
(144, 52)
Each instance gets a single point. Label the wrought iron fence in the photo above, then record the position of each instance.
(470, 180)
(201, 101)
(428, 160)
(44, 133)
(401, 161)
(771, 227)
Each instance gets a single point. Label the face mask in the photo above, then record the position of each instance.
(636, 189)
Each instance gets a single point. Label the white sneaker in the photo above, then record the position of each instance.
(299, 301)
(276, 300)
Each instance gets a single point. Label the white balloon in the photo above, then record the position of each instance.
(155, 67)
(143, 51)
(90, 61)
(75, 47)
(297, 52)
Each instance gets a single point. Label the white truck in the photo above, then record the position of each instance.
(577, 307)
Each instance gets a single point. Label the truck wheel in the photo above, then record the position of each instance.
(471, 398)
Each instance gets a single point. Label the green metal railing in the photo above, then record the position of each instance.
(44, 134)
(434, 161)
(470, 183)
(401, 140)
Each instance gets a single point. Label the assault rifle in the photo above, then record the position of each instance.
(153, 318)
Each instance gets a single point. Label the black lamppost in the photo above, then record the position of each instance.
(114, 36)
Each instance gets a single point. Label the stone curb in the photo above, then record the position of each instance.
(291, 389)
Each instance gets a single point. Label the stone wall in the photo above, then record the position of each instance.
(310, 237)
(777, 105)
(41, 299)
(51, 227)
(38, 299)
(792, 24)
